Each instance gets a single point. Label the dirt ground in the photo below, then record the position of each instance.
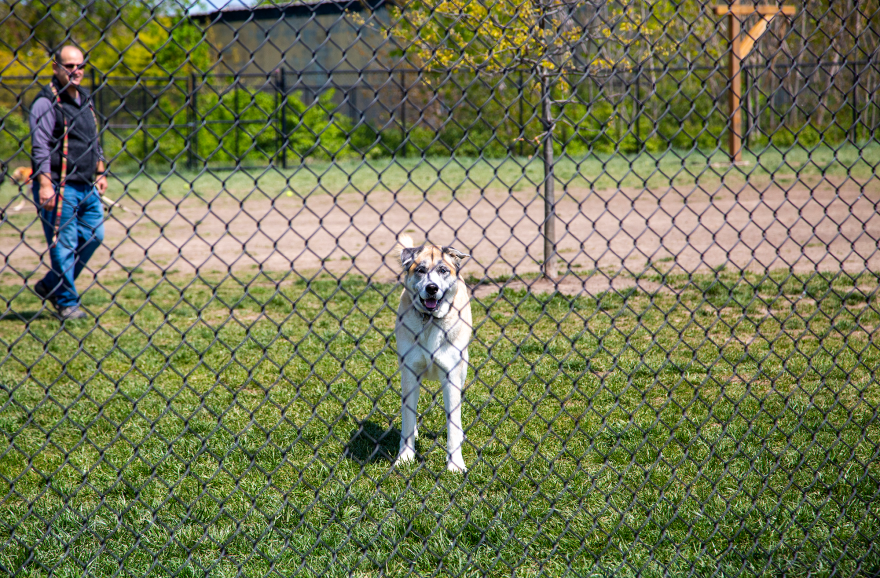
(821, 224)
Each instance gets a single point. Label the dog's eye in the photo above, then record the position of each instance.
(421, 270)
(442, 270)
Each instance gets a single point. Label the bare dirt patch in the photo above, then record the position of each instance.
(827, 225)
(569, 285)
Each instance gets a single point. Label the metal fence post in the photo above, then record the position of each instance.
(747, 113)
(522, 98)
(638, 111)
(276, 112)
(549, 228)
(145, 121)
(237, 122)
(854, 105)
(734, 90)
(194, 123)
(403, 97)
(96, 101)
(284, 136)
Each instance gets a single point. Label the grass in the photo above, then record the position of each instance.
(216, 426)
(465, 175)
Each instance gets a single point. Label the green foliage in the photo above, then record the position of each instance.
(185, 49)
(256, 137)
(312, 132)
(681, 110)
(783, 138)
(14, 137)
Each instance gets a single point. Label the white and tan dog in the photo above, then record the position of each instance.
(433, 330)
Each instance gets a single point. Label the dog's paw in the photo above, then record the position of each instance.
(456, 465)
(405, 457)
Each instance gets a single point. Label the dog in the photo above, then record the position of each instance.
(21, 175)
(433, 330)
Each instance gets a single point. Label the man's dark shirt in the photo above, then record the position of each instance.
(46, 131)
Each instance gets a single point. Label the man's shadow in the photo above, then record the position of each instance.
(370, 443)
(26, 316)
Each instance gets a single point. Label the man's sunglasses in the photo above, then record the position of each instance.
(72, 67)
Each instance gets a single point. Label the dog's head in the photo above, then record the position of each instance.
(432, 276)
(22, 175)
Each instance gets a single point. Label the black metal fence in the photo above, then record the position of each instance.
(251, 120)
(673, 353)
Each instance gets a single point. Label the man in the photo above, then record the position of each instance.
(68, 168)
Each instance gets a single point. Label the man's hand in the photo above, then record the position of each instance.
(100, 178)
(48, 198)
(101, 184)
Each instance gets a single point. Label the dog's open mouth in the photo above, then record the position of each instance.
(429, 304)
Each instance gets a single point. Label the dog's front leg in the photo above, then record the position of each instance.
(452, 386)
(409, 389)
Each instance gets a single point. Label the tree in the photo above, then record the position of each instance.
(121, 38)
(551, 40)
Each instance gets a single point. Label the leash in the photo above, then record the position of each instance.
(59, 203)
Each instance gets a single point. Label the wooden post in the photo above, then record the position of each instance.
(740, 46)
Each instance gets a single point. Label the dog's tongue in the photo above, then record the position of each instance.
(430, 303)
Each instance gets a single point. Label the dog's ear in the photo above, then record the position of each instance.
(407, 255)
(456, 255)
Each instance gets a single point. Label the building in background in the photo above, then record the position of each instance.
(309, 47)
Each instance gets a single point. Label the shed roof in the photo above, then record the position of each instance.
(274, 11)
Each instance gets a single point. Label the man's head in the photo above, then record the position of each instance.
(68, 66)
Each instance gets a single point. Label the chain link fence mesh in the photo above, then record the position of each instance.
(673, 271)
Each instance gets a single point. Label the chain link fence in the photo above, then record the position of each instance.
(670, 212)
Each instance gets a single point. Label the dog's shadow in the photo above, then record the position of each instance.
(370, 443)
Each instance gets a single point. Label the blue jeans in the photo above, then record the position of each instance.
(80, 233)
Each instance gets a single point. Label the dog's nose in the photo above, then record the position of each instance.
(431, 289)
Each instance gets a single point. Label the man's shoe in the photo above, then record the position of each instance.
(72, 312)
(43, 293)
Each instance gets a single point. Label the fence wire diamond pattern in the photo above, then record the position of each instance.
(669, 217)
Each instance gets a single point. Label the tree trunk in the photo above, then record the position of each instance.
(549, 193)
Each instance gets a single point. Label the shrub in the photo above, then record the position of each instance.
(783, 138)
(14, 138)
(808, 136)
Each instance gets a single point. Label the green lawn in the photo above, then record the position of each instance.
(469, 175)
(227, 427)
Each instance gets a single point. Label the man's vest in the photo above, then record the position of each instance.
(82, 155)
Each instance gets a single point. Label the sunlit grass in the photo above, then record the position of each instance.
(466, 175)
(244, 426)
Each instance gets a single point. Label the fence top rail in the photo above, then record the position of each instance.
(614, 71)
